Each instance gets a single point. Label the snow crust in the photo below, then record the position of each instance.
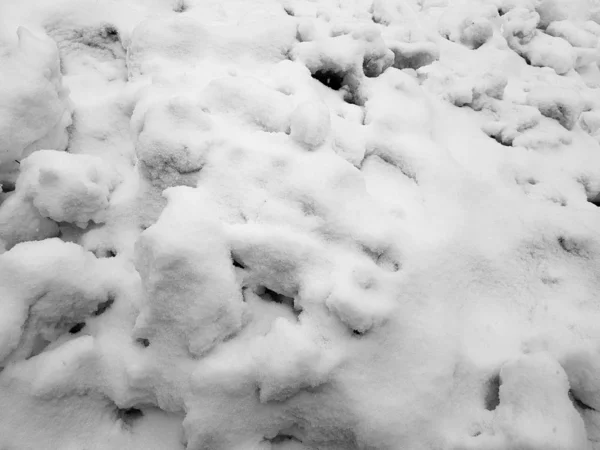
(233, 225)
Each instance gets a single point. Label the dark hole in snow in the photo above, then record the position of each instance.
(492, 393)
(111, 253)
(271, 296)
(358, 333)
(595, 200)
(288, 11)
(578, 403)
(111, 33)
(532, 181)
(282, 437)
(103, 306)
(129, 415)
(77, 328)
(237, 263)
(8, 186)
(329, 78)
(477, 433)
(143, 341)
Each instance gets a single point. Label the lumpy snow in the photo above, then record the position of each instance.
(300, 224)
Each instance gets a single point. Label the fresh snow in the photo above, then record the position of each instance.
(300, 224)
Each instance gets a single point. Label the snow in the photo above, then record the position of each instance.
(35, 109)
(368, 224)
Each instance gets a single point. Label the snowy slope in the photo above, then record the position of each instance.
(296, 224)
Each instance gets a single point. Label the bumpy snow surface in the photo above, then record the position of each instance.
(299, 224)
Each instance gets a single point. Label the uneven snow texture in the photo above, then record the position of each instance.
(291, 224)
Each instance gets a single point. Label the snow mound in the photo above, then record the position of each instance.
(35, 111)
(66, 187)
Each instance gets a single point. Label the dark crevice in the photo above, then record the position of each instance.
(288, 11)
(331, 79)
(236, 262)
(492, 393)
(103, 306)
(271, 296)
(129, 415)
(8, 186)
(571, 246)
(578, 403)
(77, 328)
(500, 141)
(143, 342)
(111, 33)
(282, 437)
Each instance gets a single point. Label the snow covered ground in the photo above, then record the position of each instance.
(298, 224)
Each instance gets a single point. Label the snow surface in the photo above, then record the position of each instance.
(297, 224)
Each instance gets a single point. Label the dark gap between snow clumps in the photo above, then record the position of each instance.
(492, 394)
(103, 306)
(128, 415)
(329, 78)
(143, 342)
(77, 328)
(578, 403)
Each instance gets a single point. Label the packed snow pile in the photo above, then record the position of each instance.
(300, 224)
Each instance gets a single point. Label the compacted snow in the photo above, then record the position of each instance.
(298, 224)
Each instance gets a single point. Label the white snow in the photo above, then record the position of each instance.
(291, 224)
